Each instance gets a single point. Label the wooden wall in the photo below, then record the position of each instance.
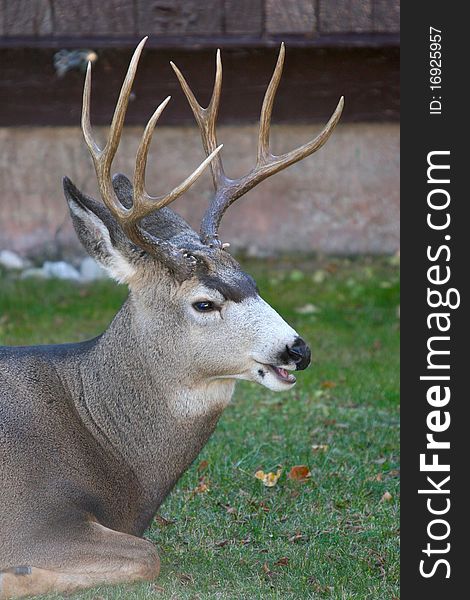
(334, 48)
(36, 20)
(313, 80)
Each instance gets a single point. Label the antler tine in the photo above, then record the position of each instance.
(119, 115)
(142, 203)
(267, 109)
(86, 123)
(103, 158)
(206, 118)
(141, 197)
(229, 190)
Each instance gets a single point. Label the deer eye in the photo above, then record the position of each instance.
(204, 306)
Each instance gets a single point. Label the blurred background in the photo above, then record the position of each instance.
(342, 200)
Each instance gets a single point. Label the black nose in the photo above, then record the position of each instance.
(300, 353)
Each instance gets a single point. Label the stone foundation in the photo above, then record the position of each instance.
(342, 200)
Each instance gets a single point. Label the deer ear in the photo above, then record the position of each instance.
(99, 234)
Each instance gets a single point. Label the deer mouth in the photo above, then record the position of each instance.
(282, 374)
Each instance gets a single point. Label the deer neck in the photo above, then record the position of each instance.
(142, 409)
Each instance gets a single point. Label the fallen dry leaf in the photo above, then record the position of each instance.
(282, 562)
(162, 521)
(262, 505)
(377, 561)
(299, 473)
(326, 385)
(317, 586)
(202, 466)
(268, 479)
(297, 537)
(229, 509)
(202, 486)
(319, 448)
(386, 497)
(267, 570)
(332, 267)
(185, 578)
(353, 527)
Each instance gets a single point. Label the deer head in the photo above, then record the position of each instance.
(189, 296)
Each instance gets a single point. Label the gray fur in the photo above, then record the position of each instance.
(96, 434)
(164, 223)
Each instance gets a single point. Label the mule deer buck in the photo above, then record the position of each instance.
(94, 435)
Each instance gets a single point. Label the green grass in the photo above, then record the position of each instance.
(328, 537)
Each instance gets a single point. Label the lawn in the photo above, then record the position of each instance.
(222, 533)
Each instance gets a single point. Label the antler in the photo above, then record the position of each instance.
(143, 204)
(228, 190)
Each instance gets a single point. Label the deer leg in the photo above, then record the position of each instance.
(102, 557)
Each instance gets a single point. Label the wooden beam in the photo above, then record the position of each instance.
(313, 80)
(345, 16)
(386, 15)
(26, 18)
(199, 42)
(244, 17)
(75, 18)
(290, 17)
(179, 17)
